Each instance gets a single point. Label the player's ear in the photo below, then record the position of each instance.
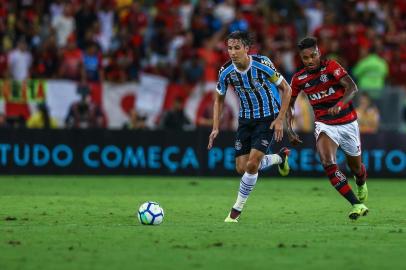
(246, 48)
(318, 51)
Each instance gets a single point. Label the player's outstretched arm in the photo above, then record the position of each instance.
(293, 137)
(350, 90)
(217, 109)
(277, 124)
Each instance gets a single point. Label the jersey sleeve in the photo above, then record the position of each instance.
(337, 70)
(222, 83)
(294, 86)
(273, 75)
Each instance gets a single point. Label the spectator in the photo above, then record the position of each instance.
(41, 118)
(225, 11)
(106, 21)
(371, 72)
(205, 114)
(92, 64)
(137, 121)
(193, 70)
(84, 113)
(314, 16)
(46, 60)
(239, 23)
(122, 65)
(84, 19)
(398, 69)
(3, 63)
(368, 115)
(175, 119)
(72, 62)
(19, 61)
(56, 9)
(64, 25)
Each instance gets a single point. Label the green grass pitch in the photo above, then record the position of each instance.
(58, 222)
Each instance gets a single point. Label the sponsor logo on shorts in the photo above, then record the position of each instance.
(238, 145)
(265, 143)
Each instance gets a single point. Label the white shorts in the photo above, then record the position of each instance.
(346, 136)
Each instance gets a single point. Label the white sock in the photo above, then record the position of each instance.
(269, 160)
(247, 184)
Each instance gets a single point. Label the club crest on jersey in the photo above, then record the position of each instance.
(324, 78)
(321, 94)
(337, 72)
(238, 145)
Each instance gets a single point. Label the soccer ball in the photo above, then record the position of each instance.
(150, 213)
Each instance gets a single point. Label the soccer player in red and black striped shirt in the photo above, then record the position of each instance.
(330, 90)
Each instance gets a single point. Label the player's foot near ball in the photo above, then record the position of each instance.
(357, 211)
(283, 168)
(233, 216)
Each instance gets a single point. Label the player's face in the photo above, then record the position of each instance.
(237, 51)
(310, 58)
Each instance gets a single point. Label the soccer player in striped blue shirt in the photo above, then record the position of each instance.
(262, 113)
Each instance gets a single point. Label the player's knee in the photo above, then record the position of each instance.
(252, 167)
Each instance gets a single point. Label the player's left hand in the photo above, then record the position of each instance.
(277, 126)
(212, 136)
(336, 109)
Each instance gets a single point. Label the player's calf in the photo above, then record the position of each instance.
(247, 184)
(361, 176)
(339, 181)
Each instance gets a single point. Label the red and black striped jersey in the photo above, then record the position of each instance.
(324, 90)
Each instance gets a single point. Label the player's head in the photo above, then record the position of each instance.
(238, 44)
(309, 53)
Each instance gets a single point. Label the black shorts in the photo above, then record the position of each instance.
(253, 134)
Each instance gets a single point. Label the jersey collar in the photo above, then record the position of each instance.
(244, 71)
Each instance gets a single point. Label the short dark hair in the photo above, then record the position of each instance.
(307, 42)
(244, 36)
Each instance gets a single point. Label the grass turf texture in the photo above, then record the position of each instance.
(90, 223)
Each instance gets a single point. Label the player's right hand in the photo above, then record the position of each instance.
(294, 139)
(212, 136)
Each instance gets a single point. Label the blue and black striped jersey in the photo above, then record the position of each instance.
(256, 87)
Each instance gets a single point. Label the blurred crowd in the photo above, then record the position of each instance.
(182, 40)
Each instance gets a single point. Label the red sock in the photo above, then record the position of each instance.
(362, 177)
(340, 183)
